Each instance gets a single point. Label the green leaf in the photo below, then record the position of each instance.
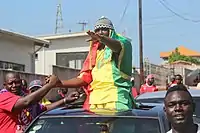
(176, 56)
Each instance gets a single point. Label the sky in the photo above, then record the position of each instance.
(162, 29)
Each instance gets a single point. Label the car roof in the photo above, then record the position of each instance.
(143, 111)
(161, 94)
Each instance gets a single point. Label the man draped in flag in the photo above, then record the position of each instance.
(107, 70)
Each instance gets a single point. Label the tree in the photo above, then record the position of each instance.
(176, 56)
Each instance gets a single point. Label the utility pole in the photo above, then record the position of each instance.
(141, 42)
(84, 24)
(59, 19)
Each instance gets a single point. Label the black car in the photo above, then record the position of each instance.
(145, 119)
(158, 97)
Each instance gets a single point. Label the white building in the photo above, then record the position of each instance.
(69, 50)
(17, 51)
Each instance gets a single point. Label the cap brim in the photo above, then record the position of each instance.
(30, 88)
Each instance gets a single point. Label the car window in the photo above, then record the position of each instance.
(160, 100)
(150, 100)
(95, 125)
(197, 105)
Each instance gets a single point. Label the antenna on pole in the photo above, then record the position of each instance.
(59, 19)
(84, 24)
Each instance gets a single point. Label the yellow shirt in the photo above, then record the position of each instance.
(45, 101)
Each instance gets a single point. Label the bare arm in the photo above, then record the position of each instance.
(73, 83)
(37, 95)
(55, 104)
(68, 99)
(113, 44)
(32, 98)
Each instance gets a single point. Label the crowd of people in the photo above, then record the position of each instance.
(106, 80)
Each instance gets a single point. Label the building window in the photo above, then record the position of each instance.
(12, 66)
(71, 60)
(36, 56)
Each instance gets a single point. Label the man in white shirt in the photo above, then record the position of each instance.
(179, 108)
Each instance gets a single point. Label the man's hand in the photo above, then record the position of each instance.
(94, 36)
(53, 80)
(71, 97)
(47, 79)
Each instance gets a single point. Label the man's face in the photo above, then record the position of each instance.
(64, 90)
(178, 79)
(102, 31)
(13, 84)
(172, 79)
(179, 108)
(151, 80)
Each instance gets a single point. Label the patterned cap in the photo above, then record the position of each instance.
(35, 83)
(103, 22)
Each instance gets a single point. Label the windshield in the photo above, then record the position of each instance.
(160, 100)
(95, 125)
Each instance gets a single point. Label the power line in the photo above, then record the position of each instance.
(124, 12)
(158, 17)
(162, 2)
(159, 23)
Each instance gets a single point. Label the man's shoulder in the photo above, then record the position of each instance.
(198, 130)
(170, 131)
(7, 95)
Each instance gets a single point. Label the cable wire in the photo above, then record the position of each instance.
(162, 2)
(124, 13)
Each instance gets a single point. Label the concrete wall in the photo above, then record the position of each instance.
(65, 43)
(47, 57)
(160, 73)
(65, 73)
(17, 51)
(184, 70)
(43, 65)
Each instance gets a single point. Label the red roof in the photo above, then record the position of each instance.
(183, 51)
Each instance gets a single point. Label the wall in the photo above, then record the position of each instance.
(160, 73)
(16, 51)
(184, 70)
(65, 73)
(47, 57)
(65, 43)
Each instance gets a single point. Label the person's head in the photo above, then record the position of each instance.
(63, 91)
(24, 84)
(178, 79)
(132, 81)
(13, 83)
(172, 78)
(179, 106)
(35, 85)
(150, 79)
(103, 26)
